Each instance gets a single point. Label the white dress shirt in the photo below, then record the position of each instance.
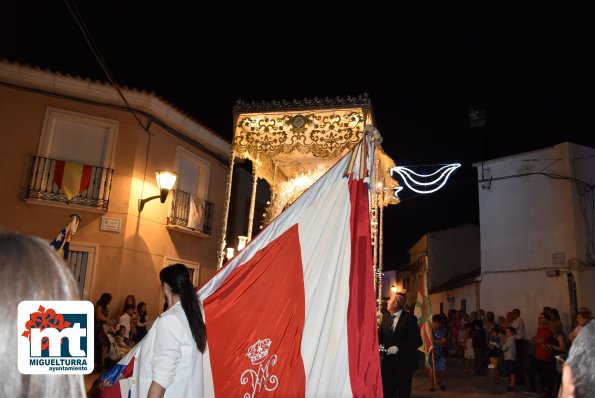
(519, 325)
(396, 317)
(169, 356)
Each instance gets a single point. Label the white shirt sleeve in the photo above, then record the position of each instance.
(167, 350)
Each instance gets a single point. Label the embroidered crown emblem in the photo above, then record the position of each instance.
(259, 351)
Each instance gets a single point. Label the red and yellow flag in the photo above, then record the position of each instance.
(72, 178)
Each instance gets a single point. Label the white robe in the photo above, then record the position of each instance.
(169, 356)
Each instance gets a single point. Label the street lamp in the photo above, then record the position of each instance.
(165, 182)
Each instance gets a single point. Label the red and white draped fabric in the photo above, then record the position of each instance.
(294, 313)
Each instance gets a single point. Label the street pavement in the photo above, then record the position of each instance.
(457, 383)
(460, 384)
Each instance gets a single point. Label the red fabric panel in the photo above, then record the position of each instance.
(262, 299)
(59, 172)
(362, 335)
(85, 178)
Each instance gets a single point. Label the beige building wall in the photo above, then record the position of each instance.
(129, 261)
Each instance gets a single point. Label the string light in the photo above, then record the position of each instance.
(409, 177)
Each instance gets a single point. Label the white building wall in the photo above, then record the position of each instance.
(451, 299)
(531, 223)
(452, 252)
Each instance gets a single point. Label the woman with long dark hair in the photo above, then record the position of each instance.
(142, 322)
(170, 358)
(101, 318)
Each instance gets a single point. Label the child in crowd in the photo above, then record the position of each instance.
(118, 345)
(469, 356)
(126, 320)
(494, 351)
(509, 350)
(122, 340)
(129, 300)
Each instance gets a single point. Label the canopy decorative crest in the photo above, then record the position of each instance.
(287, 138)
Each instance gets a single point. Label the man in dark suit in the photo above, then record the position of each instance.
(399, 334)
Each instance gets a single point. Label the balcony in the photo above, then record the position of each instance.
(196, 218)
(71, 184)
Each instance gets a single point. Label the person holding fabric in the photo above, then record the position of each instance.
(170, 360)
(438, 361)
(400, 334)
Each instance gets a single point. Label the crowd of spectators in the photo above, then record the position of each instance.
(116, 333)
(483, 340)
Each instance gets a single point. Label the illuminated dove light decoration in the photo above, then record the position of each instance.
(413, 179)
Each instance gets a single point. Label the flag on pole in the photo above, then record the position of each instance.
(423, 310)
(61, 244)
(72, 178)
(294, 313)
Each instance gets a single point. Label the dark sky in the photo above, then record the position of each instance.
(531, 65)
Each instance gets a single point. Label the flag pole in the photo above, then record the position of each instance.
(434, 368)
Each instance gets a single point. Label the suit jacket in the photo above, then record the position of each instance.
(406, 337)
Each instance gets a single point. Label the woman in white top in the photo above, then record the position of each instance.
(170, 358)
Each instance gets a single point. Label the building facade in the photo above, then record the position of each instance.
(73, 146)
(537, 232)
(453, 266)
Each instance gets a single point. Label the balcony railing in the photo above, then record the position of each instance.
(197, 216)
(42, 185)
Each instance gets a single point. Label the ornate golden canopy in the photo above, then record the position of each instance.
(292, 143)
(290, 138)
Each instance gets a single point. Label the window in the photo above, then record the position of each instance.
(189, 207)
(442, 308)
(193, 173)
(78, 138)
(73, 162)
(193, 268)
(464, 305)
(81, 262)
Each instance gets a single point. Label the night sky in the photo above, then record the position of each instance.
(530, 65)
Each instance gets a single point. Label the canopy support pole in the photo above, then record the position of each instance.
(222, 241)
(380, 262)
(252, 201)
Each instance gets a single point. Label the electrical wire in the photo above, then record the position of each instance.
(97, 54)
(150, 117)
